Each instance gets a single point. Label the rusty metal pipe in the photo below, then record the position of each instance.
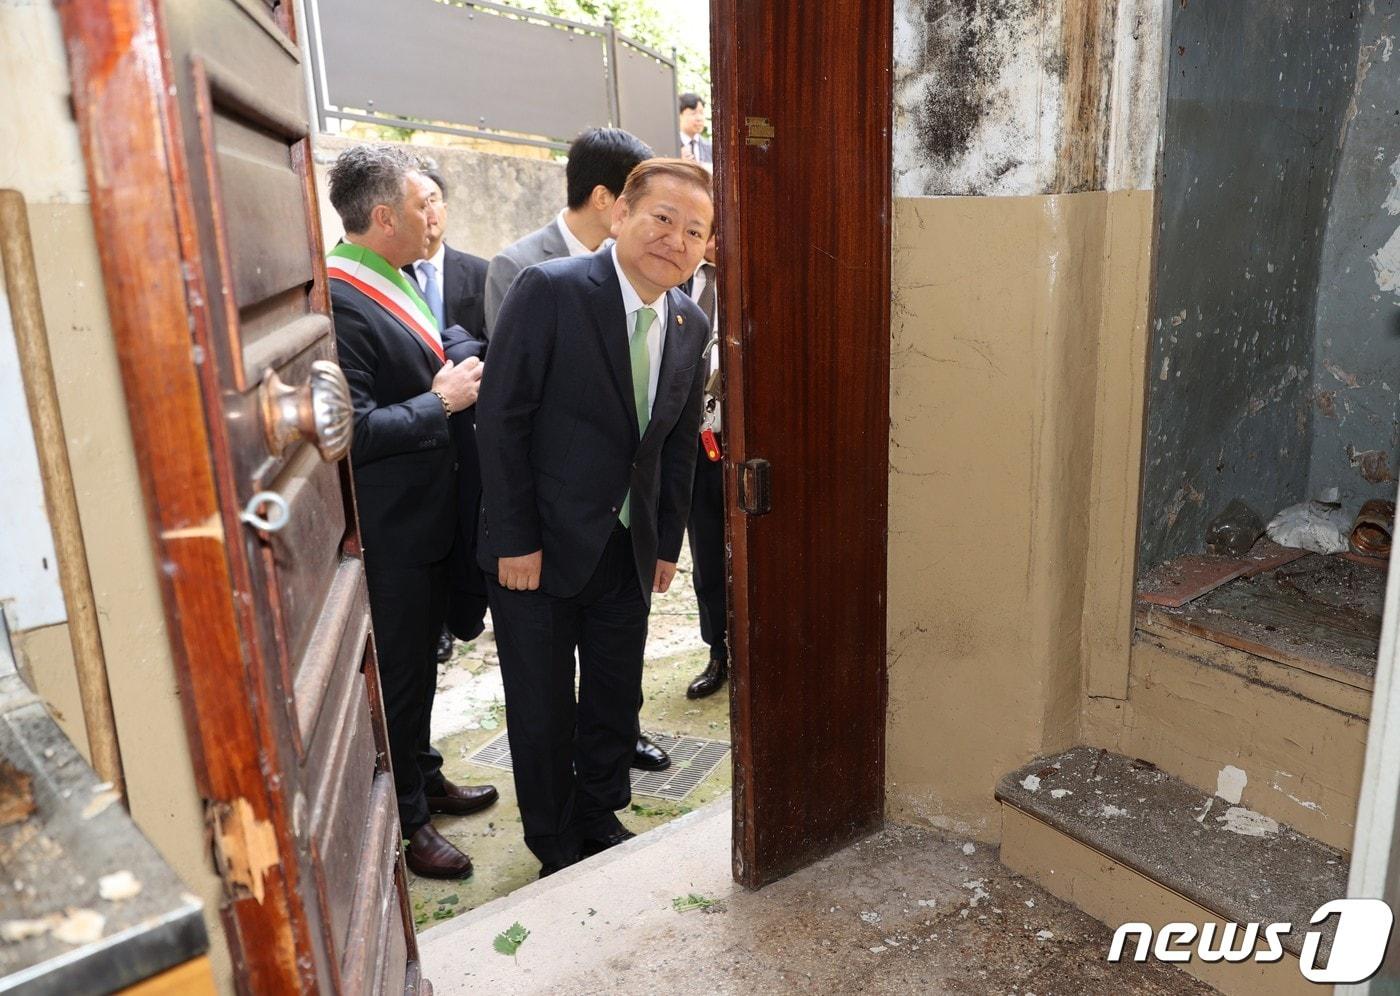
(60, 498)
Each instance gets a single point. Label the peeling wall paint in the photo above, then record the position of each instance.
(1258, 92)
(988, 92)
(1356, 365)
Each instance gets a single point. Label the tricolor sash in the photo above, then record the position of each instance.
(385, 285)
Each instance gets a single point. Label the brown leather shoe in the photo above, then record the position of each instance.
(432, 855)
(461, 800)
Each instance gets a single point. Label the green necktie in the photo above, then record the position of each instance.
(641, 384)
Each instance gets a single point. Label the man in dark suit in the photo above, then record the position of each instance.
(407, 379)
(694, 145)
(600, 160)
(453, 284)
(587, 425)
(706, 526)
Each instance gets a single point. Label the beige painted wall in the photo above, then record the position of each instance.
(1017, 325)
(40, 155)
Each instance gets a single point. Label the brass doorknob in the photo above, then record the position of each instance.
(318, 411)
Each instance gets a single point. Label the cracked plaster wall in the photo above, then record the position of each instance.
(1257, 94)
(1025, 145)
(1356, 362)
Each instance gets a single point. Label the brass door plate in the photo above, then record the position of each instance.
(760, 131)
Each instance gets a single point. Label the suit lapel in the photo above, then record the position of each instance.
(673, 351)
(609, 323)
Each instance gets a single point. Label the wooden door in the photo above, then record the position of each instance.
(194, 124)
(802, 95)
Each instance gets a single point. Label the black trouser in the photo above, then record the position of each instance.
(706, 531)
(572, 758)
(407, 606)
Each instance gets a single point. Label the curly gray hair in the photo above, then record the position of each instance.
(367, 175)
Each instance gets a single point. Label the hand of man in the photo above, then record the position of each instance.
(665, 571)
(459, 384)
(522, 573)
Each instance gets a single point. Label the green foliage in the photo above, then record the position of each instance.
(508, 941)
(694, 901)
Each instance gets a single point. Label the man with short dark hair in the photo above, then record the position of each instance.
(587, 425)
(407, 379)
(599, 161)
(694, 145)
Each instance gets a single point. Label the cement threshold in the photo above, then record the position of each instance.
(906, 910)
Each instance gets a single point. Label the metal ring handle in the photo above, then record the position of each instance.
(281, 513)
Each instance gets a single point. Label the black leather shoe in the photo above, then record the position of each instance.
(590, 846)
(461, 800)
(444, 647)
(551, 867)
(432, 855)
(649, 757)
(710, 680)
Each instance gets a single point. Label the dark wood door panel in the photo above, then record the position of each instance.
(806, 291)
(374, 908)
(305, 558)
(193, 119)
(335, 649)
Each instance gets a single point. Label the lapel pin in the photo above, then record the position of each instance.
(680, 319)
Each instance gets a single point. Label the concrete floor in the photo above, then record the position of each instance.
(469, 711)
(904, 911)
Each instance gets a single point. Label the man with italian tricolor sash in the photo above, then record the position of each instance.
(407, 378)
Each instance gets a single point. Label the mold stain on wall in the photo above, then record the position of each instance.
(1025, 97)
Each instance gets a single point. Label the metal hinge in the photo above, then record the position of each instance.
(755, 487)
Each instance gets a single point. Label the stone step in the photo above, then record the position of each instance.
(1127, 842)
(1209, 714)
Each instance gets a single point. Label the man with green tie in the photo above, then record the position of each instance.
(586, 427)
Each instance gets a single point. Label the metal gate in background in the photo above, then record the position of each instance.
(484, 70)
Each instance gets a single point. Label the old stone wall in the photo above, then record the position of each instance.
(493, 200)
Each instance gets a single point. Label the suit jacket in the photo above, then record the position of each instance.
(540, 245)
(557, 426)
(402, 455)
(706, 151)
(463, 291)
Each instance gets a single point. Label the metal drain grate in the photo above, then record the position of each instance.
(692, 761)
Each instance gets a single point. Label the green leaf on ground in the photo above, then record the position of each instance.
(694, 901)
(508, 941)
(448, 900)
(489, 722)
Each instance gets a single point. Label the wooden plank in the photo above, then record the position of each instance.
(1179, 581)
(809, 579)
(374, 892)
(193, 978)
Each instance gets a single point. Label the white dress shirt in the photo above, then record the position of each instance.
(576, 248)
(656, 335)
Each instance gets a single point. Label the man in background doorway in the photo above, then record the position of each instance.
(706, 526)
(405, 390)
(587, 424)
(453, 284)
(599, 161)
(694, 145)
